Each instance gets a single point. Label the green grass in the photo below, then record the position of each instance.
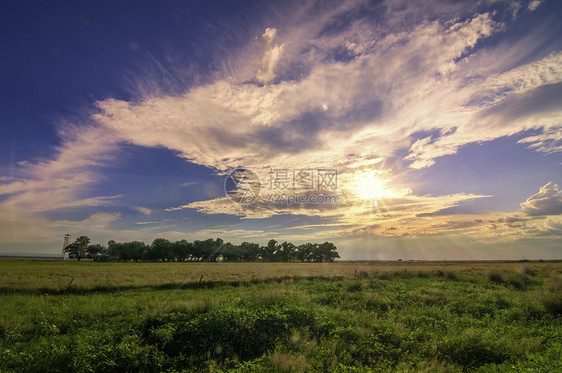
(294, 317)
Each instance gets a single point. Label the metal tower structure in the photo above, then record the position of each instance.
(64, 245)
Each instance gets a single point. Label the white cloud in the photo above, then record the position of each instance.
(143, 210)
(414, 82)
(60, 182)
(549, 141)
(548, 201)
(270, 58)
(405, 82)
(533, 5)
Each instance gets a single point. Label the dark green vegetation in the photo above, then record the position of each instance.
(208, 250)
(344, 317)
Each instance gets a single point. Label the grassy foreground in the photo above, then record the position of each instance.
(280, 317)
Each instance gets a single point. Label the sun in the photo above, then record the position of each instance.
(369, 186)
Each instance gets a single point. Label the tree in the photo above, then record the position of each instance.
(268, 252)
(161, 249)
(95, 251)
(134, 250)
(287, 252)
(208, 250)
(78, 249)
(327, 252)
(231, 253)
(182, 250)
(305, 252)
(250, 251)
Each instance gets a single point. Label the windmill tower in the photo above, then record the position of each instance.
(64, 245)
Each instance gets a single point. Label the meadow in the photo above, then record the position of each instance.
(86, 316)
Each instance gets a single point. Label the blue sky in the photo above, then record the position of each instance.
(442, 119)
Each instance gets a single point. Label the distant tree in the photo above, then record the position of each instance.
(78, 249)
(231, 253)
(73, 251)
(249, 251)
(268, 252)
(287, 252)
(199, 250)
(305, 252)
(216, 249)
(95, 251)
(327, 252)
(182, 250)
(134, 250)
(161, 249)
(208, 250)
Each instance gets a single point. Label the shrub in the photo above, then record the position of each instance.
(495, 276)
(363, 274)
(472, 351)
(552, 302)
(355, 287)
(224, 332)
(530, 271)
(284, 362)
(452, 276)
(243, 333)
(518, 281)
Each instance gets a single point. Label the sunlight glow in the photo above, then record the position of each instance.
(370, 186)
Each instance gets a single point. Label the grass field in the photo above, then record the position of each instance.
(280, 317)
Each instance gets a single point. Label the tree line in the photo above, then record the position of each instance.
(163, 250)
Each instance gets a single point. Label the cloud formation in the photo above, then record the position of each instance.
(548, 201)
(270, 58)
(347, 86)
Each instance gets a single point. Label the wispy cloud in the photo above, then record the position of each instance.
(412, 83)
(143, 210)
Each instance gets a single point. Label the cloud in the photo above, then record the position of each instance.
(548, 201)
(270, 58)
(49, 184)
(389, 89)
(549, 141)
(189, 183)
(143, 210)
(41, 186)
(346, 86)
(533, 5)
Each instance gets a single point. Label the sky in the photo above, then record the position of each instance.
(395, 129)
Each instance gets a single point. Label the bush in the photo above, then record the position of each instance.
(496, 276)
(232, 332)
(472, 351)
(530, 271)
(452, 276)
(223, 332)
(355, 287)
(552, 302)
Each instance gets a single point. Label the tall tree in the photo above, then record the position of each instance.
(79, 248)
(268, 252)
(95, 251)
